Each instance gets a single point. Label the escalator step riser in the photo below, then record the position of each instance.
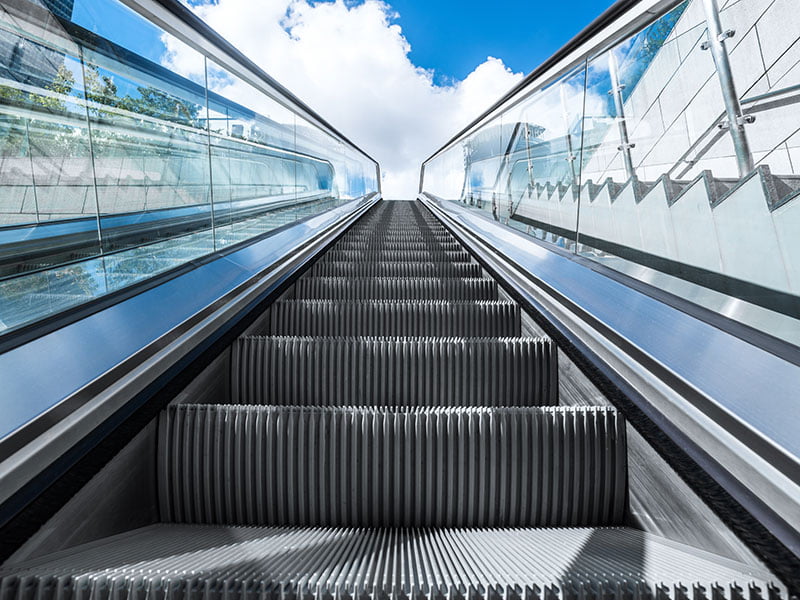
(369, 467)
(410, 243)
(365, 254)
(399, 238)
(377, 229)
(393, 319)
(389, 288)
(393, 225)
(403, 373)
(407, 245)
(393, 269)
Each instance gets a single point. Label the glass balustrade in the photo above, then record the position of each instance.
(127, 150)
(672, 154)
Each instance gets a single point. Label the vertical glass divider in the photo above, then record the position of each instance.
(580, 160)
(91, 152)
(33, 171)
(210, 167)
(617, 86)
(570, 150)
(294, 161)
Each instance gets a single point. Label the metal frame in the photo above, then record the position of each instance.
(648, 350)
(733, 108)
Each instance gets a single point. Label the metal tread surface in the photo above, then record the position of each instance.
(406, 244)
(395, 288)
(185, 562)
(398, 236)
(413, 372)
(384, 467)
(397, 255)
(389, 318)
(395, 269)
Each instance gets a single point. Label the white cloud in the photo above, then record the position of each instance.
(350, 63)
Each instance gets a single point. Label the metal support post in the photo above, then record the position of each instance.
(571, 158)
(733, 108)
(616, 92)
(528, 136)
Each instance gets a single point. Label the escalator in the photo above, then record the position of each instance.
(393, 426)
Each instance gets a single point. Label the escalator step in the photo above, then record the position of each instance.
(364, 254)
(409, 244)
(394, 269)
(388, 288)
(392, 319)
(372, 467)
(399, 372)
(186, 562)
(398, 238)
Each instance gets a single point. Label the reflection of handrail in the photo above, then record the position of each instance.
(29, 112)
(507, 155)
(190, 29)
(75, 34)
(197, 26)
(682, 160)
(772, 94)
(715, 126)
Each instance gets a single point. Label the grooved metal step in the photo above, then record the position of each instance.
(390, 288)
(396, 255)
(370, 467)
(395, 269)
(409, 244)
(185, 562)
(304, 371)
(398, 238)
(393, 319)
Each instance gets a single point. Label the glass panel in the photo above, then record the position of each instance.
(125, 153)
(483, 180)
(445, 175)
(258, 174)
(636, 129)
(543, 146)
(47, 171)
(671, 156)
(150, 149)
(317, 151)
(757, 222)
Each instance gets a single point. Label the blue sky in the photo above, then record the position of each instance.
(452, 36)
